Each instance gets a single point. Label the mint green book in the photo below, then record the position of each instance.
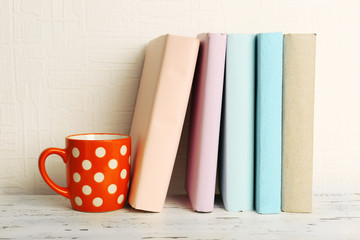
(236, 162)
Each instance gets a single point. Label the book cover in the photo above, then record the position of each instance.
(236, 157)
(298, 122)
(159, 114)
(268, 122)
(205, 122)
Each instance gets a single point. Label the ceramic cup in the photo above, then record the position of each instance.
(97, 171)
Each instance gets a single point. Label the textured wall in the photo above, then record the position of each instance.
(71, 66)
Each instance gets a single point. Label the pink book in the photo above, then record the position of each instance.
(205, 122)
(159, 114)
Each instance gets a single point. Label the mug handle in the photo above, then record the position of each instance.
(49, 151)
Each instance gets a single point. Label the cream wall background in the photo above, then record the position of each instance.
(71, 66)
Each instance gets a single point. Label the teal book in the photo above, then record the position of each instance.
(236, 162)
(268, 123)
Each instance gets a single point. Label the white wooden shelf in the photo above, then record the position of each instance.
(335, 216)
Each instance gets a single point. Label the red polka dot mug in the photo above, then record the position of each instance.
(97, 171)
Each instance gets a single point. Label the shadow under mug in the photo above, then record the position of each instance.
(97, 171)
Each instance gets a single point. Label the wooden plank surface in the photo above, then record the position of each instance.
(335, 216)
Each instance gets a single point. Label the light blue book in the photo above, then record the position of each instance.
(268, 122)
(236, 175)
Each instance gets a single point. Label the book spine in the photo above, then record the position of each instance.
(237, 154)
(205, 122)
(298, 122)
(158, 147)
(269, 122)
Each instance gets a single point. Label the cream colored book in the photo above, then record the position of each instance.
(298, 122)
(158, 117)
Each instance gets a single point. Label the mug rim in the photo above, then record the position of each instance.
(120, 137)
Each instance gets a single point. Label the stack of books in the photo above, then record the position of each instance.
(252, 113)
